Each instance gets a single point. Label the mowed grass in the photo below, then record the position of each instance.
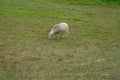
(90, 52)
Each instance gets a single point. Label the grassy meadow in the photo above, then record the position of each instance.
(90, 52)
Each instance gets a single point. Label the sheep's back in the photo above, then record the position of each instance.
(61, 26)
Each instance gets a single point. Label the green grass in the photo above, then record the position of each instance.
(90, 2)
(90, 52)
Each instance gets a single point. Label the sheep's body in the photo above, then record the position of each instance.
(61, 27)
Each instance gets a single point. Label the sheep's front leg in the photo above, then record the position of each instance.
(65, 34)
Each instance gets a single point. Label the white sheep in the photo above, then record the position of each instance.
(61, 27)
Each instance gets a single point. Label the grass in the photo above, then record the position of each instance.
(90, 2)
(91, 51)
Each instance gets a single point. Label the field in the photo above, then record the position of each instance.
(90, 52)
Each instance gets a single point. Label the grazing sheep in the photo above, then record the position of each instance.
(61, 27)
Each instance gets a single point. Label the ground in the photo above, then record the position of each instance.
(90, 52)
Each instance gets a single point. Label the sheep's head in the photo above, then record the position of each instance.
(51, 34)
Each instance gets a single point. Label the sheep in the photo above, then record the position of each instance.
(61, 27)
